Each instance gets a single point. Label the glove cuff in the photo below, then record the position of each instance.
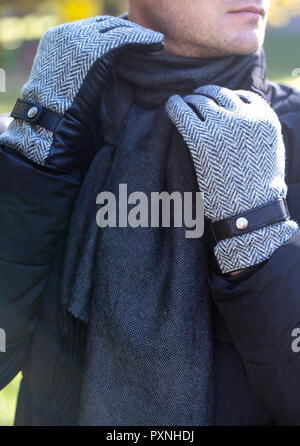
(31, 141)
(249, 249)
(35, 114)
(267, 214)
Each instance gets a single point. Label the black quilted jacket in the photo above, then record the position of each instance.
(257, 374)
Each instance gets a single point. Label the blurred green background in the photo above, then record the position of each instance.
(22, 23)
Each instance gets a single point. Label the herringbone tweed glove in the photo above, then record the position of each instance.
(65, 56)
(235, 140)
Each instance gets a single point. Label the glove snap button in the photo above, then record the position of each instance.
(241, 223)
(32, 112)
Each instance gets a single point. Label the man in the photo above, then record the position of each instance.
(141, 325)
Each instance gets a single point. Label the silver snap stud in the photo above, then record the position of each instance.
(241, 223)
(32, 112)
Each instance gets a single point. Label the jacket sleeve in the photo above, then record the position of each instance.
(262, 312)
(35, 205)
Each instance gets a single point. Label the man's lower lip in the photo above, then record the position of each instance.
(246, 13)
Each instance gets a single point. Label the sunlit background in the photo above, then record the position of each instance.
(23, 22)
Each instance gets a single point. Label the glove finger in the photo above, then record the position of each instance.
(118, 38)
(204, 106)
(260, 106)
(223, 96)
(251, 98)
(184, 117)
(110, 23)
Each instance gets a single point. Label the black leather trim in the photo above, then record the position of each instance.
(44, 117)
(259, 217)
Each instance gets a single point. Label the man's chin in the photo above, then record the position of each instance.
(247, 43)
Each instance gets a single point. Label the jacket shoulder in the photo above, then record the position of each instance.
(284, 98)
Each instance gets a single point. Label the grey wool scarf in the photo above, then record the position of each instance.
(142, 292)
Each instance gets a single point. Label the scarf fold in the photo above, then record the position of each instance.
(156, 77)
(143, 291)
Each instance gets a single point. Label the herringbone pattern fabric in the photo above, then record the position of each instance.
(65, 55)
(236, 144)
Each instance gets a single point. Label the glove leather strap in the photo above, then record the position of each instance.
(42, 116)
(259, 217)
